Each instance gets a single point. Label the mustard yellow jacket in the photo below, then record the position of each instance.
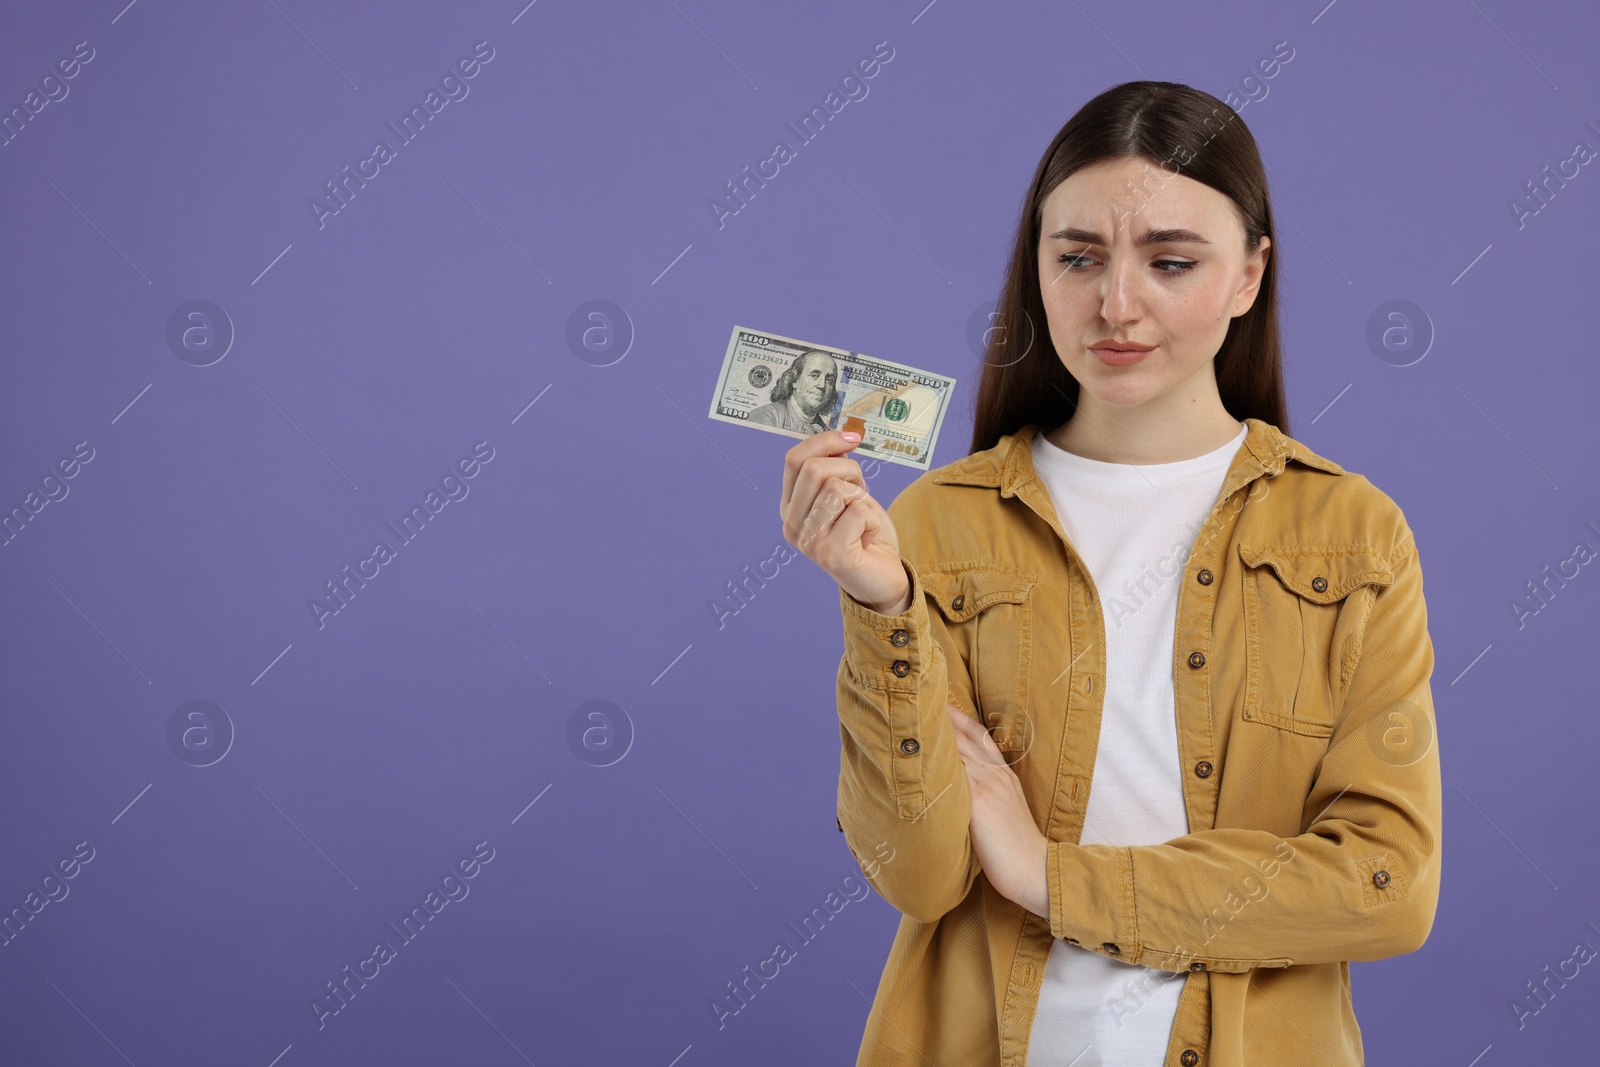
(1305, 728)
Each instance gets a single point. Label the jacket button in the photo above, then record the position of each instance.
(1203, 769)
(1111, 948)
(1189, 1058)
(901, 668)
(1197, 965)
(955, 605)
(909, 746)
(1197, 659)
(1204, 577)
(1319, 584)
(1380, 879)
(900, 637)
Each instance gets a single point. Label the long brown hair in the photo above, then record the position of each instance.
(1185, 131)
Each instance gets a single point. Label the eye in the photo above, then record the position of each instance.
(1074, 262)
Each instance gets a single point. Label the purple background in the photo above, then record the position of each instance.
(433, 711)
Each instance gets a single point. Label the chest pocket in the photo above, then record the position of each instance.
(988, 615)
(1302, 606)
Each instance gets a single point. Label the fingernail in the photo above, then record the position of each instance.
(851, 436)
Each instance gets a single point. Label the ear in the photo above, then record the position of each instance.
(1255, 268)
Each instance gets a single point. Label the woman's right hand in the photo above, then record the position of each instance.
(829, 516)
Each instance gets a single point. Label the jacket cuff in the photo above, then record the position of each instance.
(888, 652)
(1091, 898)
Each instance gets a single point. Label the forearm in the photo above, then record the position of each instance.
(901, 779)
(1230, 900)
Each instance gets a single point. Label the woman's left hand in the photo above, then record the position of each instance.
(1008, 842)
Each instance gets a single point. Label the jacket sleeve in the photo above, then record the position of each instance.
(1362, 881)
(903, 789)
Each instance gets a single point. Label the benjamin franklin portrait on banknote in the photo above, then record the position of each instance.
(802, 394)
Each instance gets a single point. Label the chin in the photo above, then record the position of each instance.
(1128, 396)
(1117, 390)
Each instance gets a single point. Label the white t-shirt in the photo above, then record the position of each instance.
(1133, 525)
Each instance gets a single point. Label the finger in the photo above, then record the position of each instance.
(986, 751)
(832, 531)
(842, 514)
(970, 744)
(966, 736)
(811, 481)
(982, 743)
(966, 722)
(827, 443)
(837, 493)
(983, 740)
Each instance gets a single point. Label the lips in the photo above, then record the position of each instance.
(1121, 354)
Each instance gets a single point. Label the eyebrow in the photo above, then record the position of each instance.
(1151, 237)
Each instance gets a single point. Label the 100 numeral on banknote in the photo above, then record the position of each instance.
(797, 389)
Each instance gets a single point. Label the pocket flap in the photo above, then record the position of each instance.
(1321, 574)
(963, 590)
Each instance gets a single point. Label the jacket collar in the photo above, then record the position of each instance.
(1008, 466)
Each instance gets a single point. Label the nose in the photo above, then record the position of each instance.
(1119, 298)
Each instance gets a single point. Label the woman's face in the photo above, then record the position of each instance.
(1130, 252)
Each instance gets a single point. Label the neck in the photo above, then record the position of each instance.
(1135, 435)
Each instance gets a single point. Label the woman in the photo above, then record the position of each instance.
(1138, 581)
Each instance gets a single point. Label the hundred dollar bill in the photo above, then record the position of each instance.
(797, 388)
